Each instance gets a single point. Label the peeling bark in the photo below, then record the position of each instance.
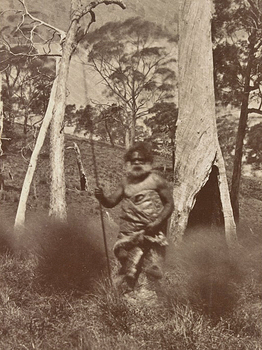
(197, 148)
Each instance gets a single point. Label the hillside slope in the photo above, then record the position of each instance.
(109, 166)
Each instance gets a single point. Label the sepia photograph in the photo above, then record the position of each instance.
(131, 175)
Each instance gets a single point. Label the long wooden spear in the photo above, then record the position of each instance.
(97, 183)
(100, 206)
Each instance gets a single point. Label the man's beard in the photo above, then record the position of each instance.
(138, 171)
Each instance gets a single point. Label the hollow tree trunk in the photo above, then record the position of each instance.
(198, 155)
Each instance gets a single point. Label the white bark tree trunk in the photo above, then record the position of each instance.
(197, 148)
(57, 209)
(21, 210)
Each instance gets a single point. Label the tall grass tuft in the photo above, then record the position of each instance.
(207, 274)
(6, 243)
(69, 258)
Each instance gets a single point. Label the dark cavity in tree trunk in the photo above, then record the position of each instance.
(207, 211)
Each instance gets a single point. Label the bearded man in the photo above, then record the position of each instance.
(147, 203)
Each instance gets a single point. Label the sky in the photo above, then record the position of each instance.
(56, 12)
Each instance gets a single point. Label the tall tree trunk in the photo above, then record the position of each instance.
(173, 152)
(109, 133)
(25, 120)
(58, 189)
(1, 116)
(21, 210)
(198, 156)
(132, 130)
(241, 132)
(1, 133)
(127, 138)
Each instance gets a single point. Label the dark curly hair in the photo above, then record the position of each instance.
(143, 148)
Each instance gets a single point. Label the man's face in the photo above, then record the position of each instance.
(137, 159)
(138, 167)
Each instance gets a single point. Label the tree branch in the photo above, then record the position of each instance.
(41, 22)
(255, 87)
(108, 83)
(81, 12)
(31, 28)
(254, 8)
(254, 110)
(21, 54)
(92, 20)
(94, 4)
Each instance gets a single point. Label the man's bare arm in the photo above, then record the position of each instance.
(167, 200)
(111, 200)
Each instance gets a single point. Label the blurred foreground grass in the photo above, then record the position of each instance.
(56, 296)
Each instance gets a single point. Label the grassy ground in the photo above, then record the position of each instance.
(54, 290)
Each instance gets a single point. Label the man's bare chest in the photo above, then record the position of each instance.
(132, 189)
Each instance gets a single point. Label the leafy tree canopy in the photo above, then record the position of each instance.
(163, 119)
(237, 25)
(27, 81)
(226, 128)
(133, 58)
(105, 122)
(162, 123)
